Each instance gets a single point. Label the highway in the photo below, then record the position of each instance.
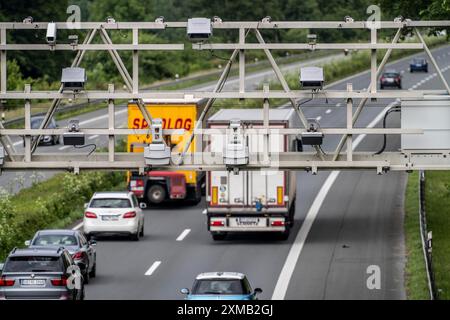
(345, 222)
(359, 223)
(14, 181)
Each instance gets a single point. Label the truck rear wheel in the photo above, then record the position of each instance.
(218, 236)
(156, 194)
(283, 236)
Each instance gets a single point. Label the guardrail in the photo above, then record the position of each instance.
(426, 238)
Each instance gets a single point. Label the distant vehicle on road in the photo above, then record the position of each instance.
(114, 213)
(418, 64)
(35, 124)
(39, 273)
(221, 286)
(82, 251)
(391, 78)
(155, 186)
(252, 201)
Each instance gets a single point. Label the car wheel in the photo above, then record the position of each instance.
(135, 237)
(141, 234)
(156, 194)
(93, 272)
(86, 276)
(218, 236)
(83, 294)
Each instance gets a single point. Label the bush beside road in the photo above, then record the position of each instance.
(54, 203)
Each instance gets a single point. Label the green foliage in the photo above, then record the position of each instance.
(55, 202)
(417, 9)
(161, 65)
(416, 282)
(7, 214)
(438, 221)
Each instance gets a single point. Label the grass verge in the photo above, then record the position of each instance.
(415, 272)
(437, 201)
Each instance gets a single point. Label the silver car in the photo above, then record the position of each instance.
(41, 273)
(82, 251)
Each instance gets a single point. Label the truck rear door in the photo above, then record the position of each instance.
(228, 189)
(267, 186)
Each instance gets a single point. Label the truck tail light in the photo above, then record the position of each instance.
(5, 282)
(90, 215)
(280, 195)
(277, 223)
(215, 195)
(137, 187)
(130, 214)
(217, 223)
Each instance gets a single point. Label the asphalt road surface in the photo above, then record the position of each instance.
(355, 221)
(345, 222)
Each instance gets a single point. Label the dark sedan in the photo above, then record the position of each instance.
(82, 251)
(418, 64)
(391, 79)
(49, 139)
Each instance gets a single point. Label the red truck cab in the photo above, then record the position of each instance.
(160, 185)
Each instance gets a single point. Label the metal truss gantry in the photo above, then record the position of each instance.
(403, 160)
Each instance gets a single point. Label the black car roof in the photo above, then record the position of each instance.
(38, 251)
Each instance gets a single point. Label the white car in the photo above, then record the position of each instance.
(114, 213)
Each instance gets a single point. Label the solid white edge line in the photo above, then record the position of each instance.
(183, 234)
(78, 226)
(152, 269)
(291, 262)
(284, 279)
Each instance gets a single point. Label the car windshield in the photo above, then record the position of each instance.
(55, 240)
(218, 286)
(390, 75)
(110, 203)
(33, 264)
(418, 61)
(35, 123)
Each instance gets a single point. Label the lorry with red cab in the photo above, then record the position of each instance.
(159, 186)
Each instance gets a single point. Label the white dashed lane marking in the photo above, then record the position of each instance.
(152, 269)
(183, 235)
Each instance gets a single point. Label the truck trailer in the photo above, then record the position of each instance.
(155, 187)
(252, 201)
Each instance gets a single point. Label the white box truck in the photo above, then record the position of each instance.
(252, 201)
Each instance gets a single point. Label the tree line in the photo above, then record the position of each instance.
(43, 69)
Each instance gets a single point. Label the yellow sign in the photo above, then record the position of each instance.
(173, 117)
